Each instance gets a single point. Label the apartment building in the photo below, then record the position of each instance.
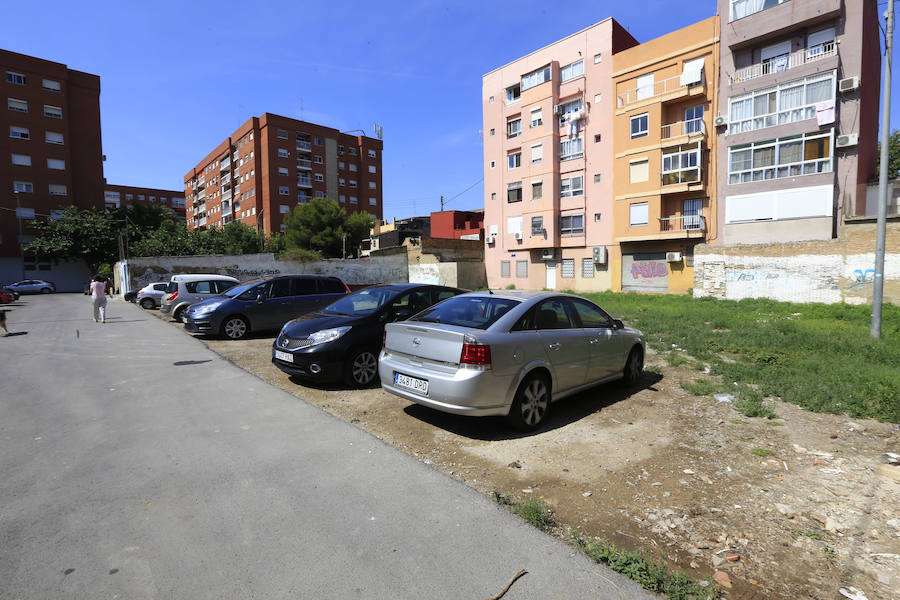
(116, 196)
(458, 224)
(548, 163)
(797, 135)
(272, 163)
(665, 161)
(51, 148)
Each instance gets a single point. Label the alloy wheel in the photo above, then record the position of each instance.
(365, 365)
(534, 402)
(235, 328)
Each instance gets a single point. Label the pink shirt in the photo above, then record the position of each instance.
(98, 290)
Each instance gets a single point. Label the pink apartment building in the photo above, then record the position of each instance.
(548, 163)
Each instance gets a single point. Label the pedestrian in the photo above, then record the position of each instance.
(3, 323)
(98, 298)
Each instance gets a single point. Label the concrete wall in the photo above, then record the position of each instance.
(68, 275)
(457, 263)
(840, 270)
(378, 269)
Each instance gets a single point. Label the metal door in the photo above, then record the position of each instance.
(645, 272)
(551, 275)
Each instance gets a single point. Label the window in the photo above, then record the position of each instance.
(692, 211)
(743, 8)
(514, 225)
(23, 186)
(282, 153)
(587, 269)
(571, 186)
(598, 98)
(571, 224)
(353, 151)
(353, 168)
(341, 181)
(353, 183)
(537, 190)
(140, 197)
(373, 201)
(571, 71)
(514, 192)
(371, 154)
(537, 225)
(491, 100)
(638, 214)
(371, 185)
(319, 194)
(535, 78)
(318, 141)
(283, 190)
(493, 164)
(639, 170)
(504, 268)
(493, 196)
(537, 117)
(282, 171)
(692, 72)
(17, 105)
(19, 132)
(21, 159)
(596, 177)
(284, 208)
(342, 199)
(775, 58)
(805, 154)
(281, 134)
(514, 160)
(492, 131)
(129, 197)
(49, 84)
(53, 138)
(153, 199)
(681, 164)
(54, 112)
(354, 200)
(640, 125)
(569, 149)
(317, 160)
(319, 177)
(16, 78)
(513, 93)
(693, 119)
(372, 169)
(787, 103)
(55, 163)
(514, 128)
(521, 268)
(57, 189)
(820, 42)
(598, 58)
(568, 268)
(537, 153)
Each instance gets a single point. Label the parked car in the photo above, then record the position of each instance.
(13, 293)
(150, 296)
(263, 304)
(184, 290)
(507, 353)
(32, 286)
(342, 340)
(6, 296)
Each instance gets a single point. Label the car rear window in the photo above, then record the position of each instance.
(477, 312)
(160, 287)
(222, 285)
(199, 287)
(172, 287)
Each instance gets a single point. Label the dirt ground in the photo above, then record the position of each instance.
(814, 510)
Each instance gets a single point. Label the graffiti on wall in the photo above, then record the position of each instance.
(747, 275)
(649, 268)
(862, 278)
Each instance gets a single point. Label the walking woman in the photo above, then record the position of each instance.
(98, 298)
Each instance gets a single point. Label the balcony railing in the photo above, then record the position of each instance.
(691, 127)
(646, 92)
(202, 222)
(745, 8)
(226, 208)
(304, 146)
(304, 163)
(303, 198)
(224, 164)
(304, 181)
(682, 223)
(776, 64)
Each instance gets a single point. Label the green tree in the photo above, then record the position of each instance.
(316, 225)
(893, 155)
(357, 227)
(91, 235)
(169, 239)
(238, 238)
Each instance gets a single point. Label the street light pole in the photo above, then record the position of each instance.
(19, 220)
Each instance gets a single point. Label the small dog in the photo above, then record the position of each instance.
(3, 322)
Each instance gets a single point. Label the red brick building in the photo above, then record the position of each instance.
(115, 196)
(272, 163)
(50, 149)
(458, 224)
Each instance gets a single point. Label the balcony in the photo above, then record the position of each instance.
(649, 92)
(304, 146)
(226, 196)
(680, 166)
(688, 225)
(202, 222)
(304, 163)
(224, 164)
(226, 208)
(691, 127)
(753, 20)
(745, 8)
(784, 62)
(303, 198)
(304, 181)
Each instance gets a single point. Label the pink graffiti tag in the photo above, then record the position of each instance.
(648, 269)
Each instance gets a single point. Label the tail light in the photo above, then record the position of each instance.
(474, 353)
(347, 287)
(173, 296)
(384, 339)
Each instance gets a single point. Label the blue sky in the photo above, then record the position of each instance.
(177, 77)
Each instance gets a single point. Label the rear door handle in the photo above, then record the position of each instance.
(553, 346)
(595, 341)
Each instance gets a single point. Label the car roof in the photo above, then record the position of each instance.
(202, 276)
(522, 295)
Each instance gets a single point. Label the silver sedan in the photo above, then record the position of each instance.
(507, 353)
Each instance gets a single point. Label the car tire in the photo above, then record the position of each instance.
(531, 403)
(634, 367)
(45, 290)
(235, 328)
(147, 303)
(177, 314)
(361, 368)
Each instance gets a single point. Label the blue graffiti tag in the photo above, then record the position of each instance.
(861, 278)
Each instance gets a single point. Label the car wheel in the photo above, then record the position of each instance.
(178, 313)
(235, 328)
(362, 368)
(45, 290)
(634, 367)
(530, 406)
(147, 303)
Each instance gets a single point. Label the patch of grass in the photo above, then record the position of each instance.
(814, 534)
(652, 575)
(675, 360)
(535, 512)
(739, 422)
(762, 452)
(830, 555)
(655, 369)
(511, 286)
(501, 499)
(748, 401)
(774, 424)
(745, 439)
(701, 387)
(818, 356)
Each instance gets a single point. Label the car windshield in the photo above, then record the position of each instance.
(362, 303)
(477, 312)
(241, 288)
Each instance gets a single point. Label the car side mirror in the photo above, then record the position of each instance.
(260, 299)
(617, 324)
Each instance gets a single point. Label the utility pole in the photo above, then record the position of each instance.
(19, 220)
(442, 204)
(878, 287)
(344, 245)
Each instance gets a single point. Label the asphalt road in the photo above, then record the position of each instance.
(135, 463)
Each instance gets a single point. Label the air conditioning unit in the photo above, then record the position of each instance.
(847, 140)
(548, 254)
(490, 239)
(848, 85)
(556, 109)
(720, 121)
(599, 253)
(673, 256)
(518, 235)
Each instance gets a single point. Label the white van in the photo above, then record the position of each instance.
(184, 290)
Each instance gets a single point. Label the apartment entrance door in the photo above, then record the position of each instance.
(551, 275)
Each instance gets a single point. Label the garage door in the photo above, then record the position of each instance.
(645, 272)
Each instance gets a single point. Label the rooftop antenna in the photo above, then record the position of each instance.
(301, 108)
(378, 130)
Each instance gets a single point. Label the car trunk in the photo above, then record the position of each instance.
(438, 345)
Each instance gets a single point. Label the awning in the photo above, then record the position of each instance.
(693, 72)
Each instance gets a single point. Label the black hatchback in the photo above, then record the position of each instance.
(342, 340)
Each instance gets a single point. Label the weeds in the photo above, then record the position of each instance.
(814, 534)
(535, 512)
(701, 387)
(830, 555)
(762, 452)
(739, 422)
(652, 575)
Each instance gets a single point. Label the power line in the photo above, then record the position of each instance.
(463, 192)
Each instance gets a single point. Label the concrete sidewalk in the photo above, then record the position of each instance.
(136, 463)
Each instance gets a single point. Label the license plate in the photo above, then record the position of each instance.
(419, 386)
(285, 356)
